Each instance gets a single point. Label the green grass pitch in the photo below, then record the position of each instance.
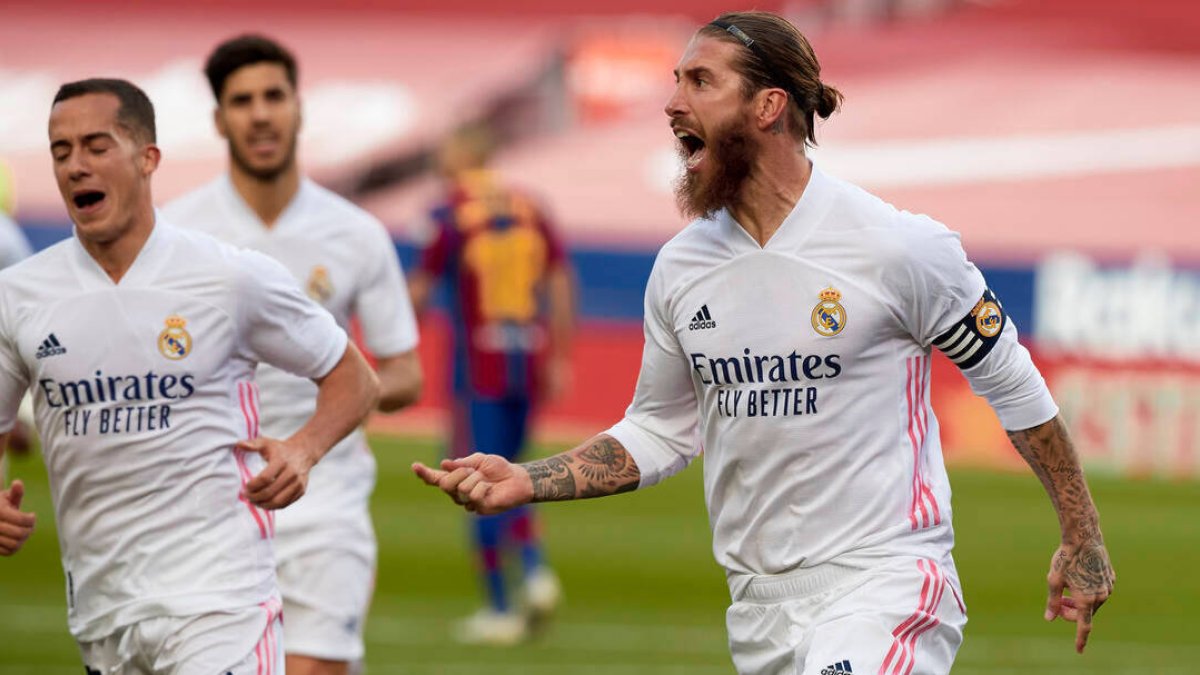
(643, 594)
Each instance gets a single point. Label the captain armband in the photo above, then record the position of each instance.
(967, 342)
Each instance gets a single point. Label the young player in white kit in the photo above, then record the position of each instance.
(788, 337)
(139, 342)
(325, 545)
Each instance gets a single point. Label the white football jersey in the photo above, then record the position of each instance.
(801, 370)
(141, 389)
(345, 260)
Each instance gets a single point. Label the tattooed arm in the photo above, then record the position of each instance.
(490, 484)
(597, 468)
(1081, 562)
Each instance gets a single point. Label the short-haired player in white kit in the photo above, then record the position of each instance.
(788, 337)
(325, 545)
(139, 341)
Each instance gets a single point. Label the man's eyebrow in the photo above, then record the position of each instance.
(88, 138)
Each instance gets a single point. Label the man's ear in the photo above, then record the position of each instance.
(219, 123)
(771, 108)
(150, 158)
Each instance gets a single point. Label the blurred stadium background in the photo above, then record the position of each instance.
(1060, 137)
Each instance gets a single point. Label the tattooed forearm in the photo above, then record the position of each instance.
(1081, 561)
(597, 468)
(1080, 565)
(607, 468)
(1048, 450)
(552, 478)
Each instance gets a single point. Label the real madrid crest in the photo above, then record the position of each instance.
(988, 318)
(175, 342)
(829, 317)
(320, 286)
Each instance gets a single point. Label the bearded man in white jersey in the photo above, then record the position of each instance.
(345, 259)
(139, 342)
(788, 335)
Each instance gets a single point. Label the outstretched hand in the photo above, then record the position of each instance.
(484, 484)
(285, 477)
(1086, 572)
(15, 524)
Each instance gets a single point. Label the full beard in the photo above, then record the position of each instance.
(731, 152)
(264, 174)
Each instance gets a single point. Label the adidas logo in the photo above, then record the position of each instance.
(837, 668)
(703, 320)
(50, 347)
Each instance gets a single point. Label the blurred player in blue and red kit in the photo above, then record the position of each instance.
(511, 305)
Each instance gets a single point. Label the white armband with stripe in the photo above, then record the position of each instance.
(997, 366)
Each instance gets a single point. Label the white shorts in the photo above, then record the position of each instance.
(326, 596)
(325, 553)
(904, 618)
(247, 641)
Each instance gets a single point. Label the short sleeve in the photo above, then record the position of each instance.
(14, 378)
(382, 305)
(943, 300)
(933, 283)
(659, 427)
(280, 325)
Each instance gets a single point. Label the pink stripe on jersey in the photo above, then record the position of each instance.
(245, 405)
(906, 625)
(930, 620)
(905, 635)
(268, 642)
(269, 634)
(248, 400)
(919, 514)
(954, 591)
(244, 470)
(908, 391)
(898, 645)
(262, 650)
(252, 391)
(924, 511)
(923, 409)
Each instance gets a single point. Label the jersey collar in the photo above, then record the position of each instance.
(144, 266)
(290, 213)
(808, 211)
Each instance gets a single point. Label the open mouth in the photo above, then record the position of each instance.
(264, 143)
(693, 147)
(87, 200)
